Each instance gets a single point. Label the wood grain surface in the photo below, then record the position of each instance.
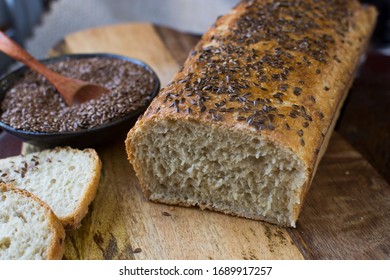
(345, 216)
(365, 121)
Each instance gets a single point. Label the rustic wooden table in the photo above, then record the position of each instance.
(345, 216)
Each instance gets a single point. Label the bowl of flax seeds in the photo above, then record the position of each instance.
(33, 110)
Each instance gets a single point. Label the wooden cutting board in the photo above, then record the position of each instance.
(345, 216)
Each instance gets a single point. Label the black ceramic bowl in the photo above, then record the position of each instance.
(84, 138)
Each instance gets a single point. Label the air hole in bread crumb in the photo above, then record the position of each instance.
(4, 219)
(5, 243)
(21, 216)
(3, 197)
(52, 181)
(71, 167)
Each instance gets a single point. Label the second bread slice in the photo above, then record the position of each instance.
(65, 178)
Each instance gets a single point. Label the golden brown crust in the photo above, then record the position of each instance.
(303, 58)
(367, 18)
(56, 249)
(73, 220)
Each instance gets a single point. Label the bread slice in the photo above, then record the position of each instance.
(28, 227)
(64, 178)
(244, 123)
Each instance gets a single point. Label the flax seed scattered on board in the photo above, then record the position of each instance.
(137, 250)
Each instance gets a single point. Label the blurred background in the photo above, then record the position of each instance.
(40, 24)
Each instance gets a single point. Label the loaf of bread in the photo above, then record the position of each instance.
(29, 229)
(64, 178)
(244, 123)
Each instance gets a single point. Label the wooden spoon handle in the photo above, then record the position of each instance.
(70, 89)
(11, 48)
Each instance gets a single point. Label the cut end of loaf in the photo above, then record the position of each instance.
(243, 174)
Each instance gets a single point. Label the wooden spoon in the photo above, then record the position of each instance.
(72, 90)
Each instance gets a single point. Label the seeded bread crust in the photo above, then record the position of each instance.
(56, 249)
(291, 96)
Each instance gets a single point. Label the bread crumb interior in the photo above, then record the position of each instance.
(211, 167)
